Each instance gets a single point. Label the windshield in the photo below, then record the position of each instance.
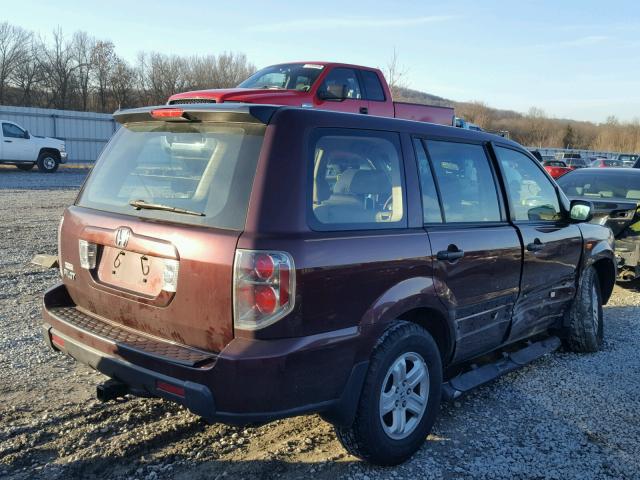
(290, 76)
(207, 168)
(600, 185)
(606, 163)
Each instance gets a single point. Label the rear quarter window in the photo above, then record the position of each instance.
(372, 86)
(356, 181)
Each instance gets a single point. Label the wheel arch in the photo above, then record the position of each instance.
(434, 322)
(414, 300)
(606, 270)
(49, 150)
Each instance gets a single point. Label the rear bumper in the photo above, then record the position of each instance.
(197, 398)
(250, 381)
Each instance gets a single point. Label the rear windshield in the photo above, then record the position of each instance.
(599, 185)
(205, 168)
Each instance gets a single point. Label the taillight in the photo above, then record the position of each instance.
(263, 288)
(88, 253)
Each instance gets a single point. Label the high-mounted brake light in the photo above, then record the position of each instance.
(167, 113)
(263, 288)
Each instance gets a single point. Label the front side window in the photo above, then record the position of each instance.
(373, 86)
(342, 83)
(12, 131)
(531, 194)
(356, 181)
(204, 171)
(467, 187)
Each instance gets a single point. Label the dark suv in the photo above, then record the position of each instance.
(259, 262)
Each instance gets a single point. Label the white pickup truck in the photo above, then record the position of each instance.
(18, 147)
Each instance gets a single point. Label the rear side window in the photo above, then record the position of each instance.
(466, 182)
(430, 206)
(356, 181)
(372, 86)
(205, 168)
(532, 195)
(342, 83)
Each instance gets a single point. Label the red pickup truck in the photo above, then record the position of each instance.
(328, 86)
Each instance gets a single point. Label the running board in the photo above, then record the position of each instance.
(508, 363)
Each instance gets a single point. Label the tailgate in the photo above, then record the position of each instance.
(131, 282)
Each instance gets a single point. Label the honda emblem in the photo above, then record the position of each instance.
(122, 237)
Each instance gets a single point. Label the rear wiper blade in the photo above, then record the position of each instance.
(141, 204)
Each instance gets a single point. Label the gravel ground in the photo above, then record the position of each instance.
(566, 416)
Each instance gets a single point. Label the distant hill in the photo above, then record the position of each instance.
(534, 128)
(401, 94)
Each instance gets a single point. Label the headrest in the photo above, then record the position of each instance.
(361, 182)
(337, 91)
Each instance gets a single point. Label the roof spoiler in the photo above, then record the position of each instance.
(203, 112)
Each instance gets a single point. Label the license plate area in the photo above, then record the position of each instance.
(135, 272)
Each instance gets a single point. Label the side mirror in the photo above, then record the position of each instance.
(581, 211)
(336, 93)
(26, 134)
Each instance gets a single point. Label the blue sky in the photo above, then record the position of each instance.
(573, 59)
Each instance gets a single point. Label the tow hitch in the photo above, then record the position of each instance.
(110, 390)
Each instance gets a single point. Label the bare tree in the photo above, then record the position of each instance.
(201, 72)
(59, 67)
(163, 75)
(28, 76)
(395, 75)
(103, 58)
(14, 47)
(538, 127)
(122, 83)
(231, 69)
(476, 112)
(83, 46)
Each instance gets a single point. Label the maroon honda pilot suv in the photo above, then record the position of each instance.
(259, 262)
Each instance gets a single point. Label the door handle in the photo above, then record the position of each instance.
(8, 141)
(535, 246)
(364, 110)
(451, 254)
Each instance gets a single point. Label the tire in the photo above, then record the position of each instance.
(586, 325)
(48, 162)
(25, 166)
(630, 284)
(378, 438)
